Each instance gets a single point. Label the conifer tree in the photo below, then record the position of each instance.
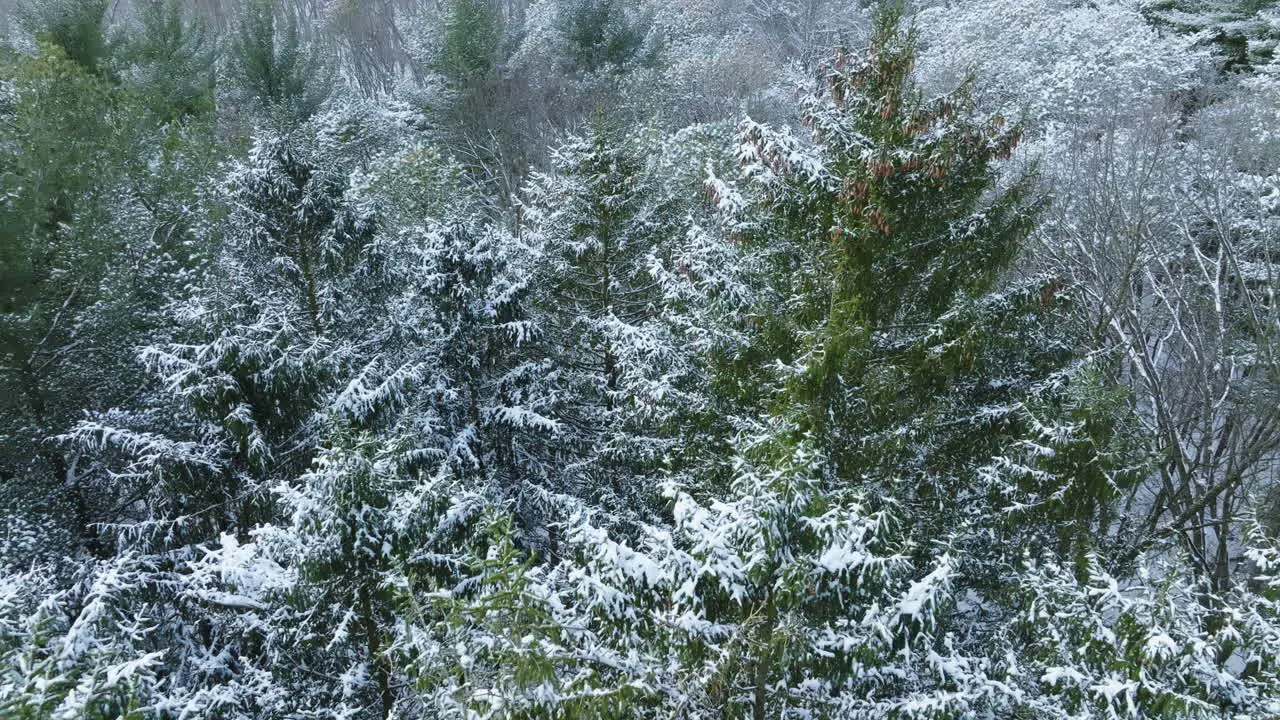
(797, 589)
(470, 44)
(65, 318)
(173, 57)
(485, 405)
(601, 35)
(272, 330)
(604, 227)
(283, 76)
(1095, 645)
(880, 250)
(887, 222)
(76, 27)
(820, 447)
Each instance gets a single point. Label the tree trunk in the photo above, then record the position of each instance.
(760, 696)
(373, 640)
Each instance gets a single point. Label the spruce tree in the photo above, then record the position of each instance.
(799, 587)
(882, 253)
(272, 329)
(285, 78)
(604, 227)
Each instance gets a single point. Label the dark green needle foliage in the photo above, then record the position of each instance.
(350, 368)
(175, 56)
(602, 35)
(472, 36)
(890, 332)
(282, 74)
(78, 27)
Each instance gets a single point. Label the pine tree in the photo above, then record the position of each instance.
(487, 401)
(470, 44)
(273, 328)
(283, 76)
(885, 314)
(785, 601)
(346, 547)
(887, 223)
(605, 229)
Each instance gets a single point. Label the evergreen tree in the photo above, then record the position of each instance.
(172, 58)
(470, 44)
(486, 405)
(883, 323)
(805, 589)
(1095, 645)
(601, 35)
(273, 328)
(604, 227)
(283, 76)
(76, 27)
(823, 446)
(65, 319)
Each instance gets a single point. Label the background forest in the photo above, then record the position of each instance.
(639, 359)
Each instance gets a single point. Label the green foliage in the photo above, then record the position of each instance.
(96, 204)
(349, 546)
(75, 26)
(1081, 457)
(408, 450)
(55, 663)
(61, 151)
(876, 255)
(283, 76)
(495, 593)
(470, 44)
(59, 135)
(603, 225)
(1240, 32)
(1160, 648)
(302, 225)
(484, 115)
(253, 351)
(418, 182)
(903, 227)
(172, 56)
(601, 34)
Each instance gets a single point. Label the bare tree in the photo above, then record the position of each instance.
(1174, 259)
(807, 29)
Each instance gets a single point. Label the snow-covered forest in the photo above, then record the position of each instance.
(373, 359)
